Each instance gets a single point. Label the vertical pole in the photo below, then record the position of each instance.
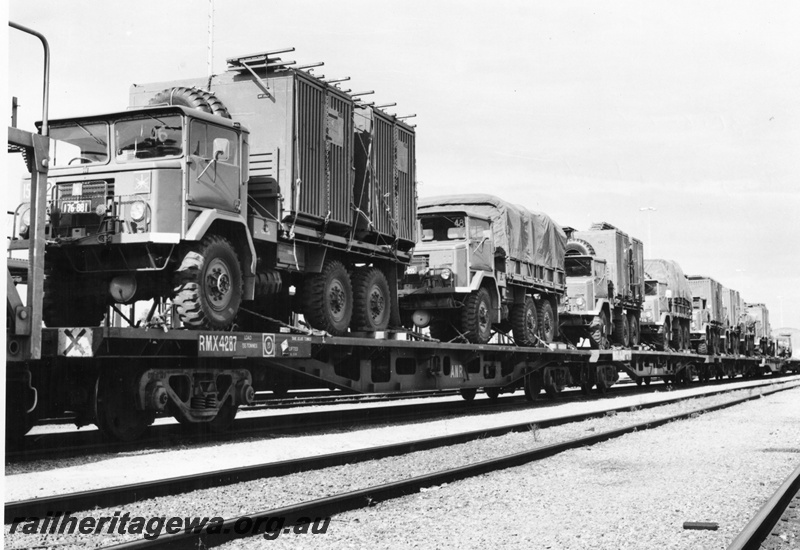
(210, 38)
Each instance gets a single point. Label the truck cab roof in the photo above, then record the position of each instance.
(158, 110)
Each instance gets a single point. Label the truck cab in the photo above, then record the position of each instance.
(453, 258)
(128, 195)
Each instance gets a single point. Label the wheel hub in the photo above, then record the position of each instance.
(218, 285)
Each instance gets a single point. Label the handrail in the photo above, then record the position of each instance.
(46, 90)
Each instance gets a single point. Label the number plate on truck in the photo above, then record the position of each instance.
(76, 207)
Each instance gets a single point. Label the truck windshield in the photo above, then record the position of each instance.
(77, 143)
(148, 138)
(651, 288)
(443, 228)
(577, 267)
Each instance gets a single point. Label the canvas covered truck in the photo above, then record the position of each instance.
(210, 204)
(708, 315)
(605, 287)
(758, 317)
(667, 313)
(483, 264)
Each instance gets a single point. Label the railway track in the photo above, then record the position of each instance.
(236, 528)
(783, 505)
(75, 443)
(120, 495)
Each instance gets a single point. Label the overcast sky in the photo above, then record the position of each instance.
(588, 111)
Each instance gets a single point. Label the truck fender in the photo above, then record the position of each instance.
(482, 279)
(203, 224)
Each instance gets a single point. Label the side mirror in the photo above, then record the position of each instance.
(222, 149)
(668, 293)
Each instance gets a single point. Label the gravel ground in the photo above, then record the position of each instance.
(43, 478)
(786, 533)
(648, 472)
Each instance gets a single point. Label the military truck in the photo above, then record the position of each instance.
(667, 311)
(758, 316)
(708, 316)
(783, 345)
(605, 287)
(481, 265)
(734, 334)
(222, 196)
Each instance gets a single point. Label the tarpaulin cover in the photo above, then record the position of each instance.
(670, 273)
(524, 235)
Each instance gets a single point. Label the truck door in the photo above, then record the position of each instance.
(213, 184)
(481, 251)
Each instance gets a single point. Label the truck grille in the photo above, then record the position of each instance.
(74, 207)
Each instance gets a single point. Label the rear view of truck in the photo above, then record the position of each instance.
(667, 312)
(605, 287)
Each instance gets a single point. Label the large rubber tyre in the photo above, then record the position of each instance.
(687, 337)
(186, 97)
(633, 326)
(598, 331)
(476, 317)
(372, 301)
(547, 322)
(328, 299)
(524, 323)
(622, 334)
(216, 106)
(71, 299)
(208, 285)
(578, 247)
(702, 349)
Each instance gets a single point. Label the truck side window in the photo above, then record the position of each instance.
(201, 141)
(477, 229)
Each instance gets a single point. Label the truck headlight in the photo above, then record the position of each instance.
(446, 274)
(24, 222)
(580, 301)
(648, 315)
(138, 211)
(411, 270)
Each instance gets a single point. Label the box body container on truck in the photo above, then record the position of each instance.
(708, 315)
(605, 287)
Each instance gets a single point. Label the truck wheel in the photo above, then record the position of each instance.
(598, 330)
(476, 317)
(524, 323)
(633, 323)
(328, 299)
(622, 334)
(208, 285)
(702, 348)
(547, 321)
(372, 302)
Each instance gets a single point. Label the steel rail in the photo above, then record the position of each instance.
(758, 529)
(119, 495)
(369, 496)
(69, 444)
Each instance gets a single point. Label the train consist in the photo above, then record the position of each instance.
(260, 230)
